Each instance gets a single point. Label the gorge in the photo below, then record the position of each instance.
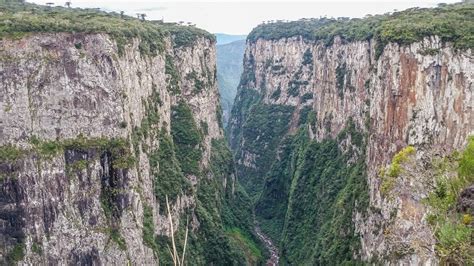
(342, 129)
(350, 141)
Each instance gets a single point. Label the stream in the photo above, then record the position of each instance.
(274, 258)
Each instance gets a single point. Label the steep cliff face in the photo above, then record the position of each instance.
(327, 119)
(96, 133)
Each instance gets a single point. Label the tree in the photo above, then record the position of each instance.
(143, 16)
(121, 14)
(68, 4)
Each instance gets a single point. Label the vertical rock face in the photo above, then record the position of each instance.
(88, 124)
(402, 97)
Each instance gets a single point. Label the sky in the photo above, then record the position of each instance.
(239, 17)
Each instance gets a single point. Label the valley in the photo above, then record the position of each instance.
(309, 142)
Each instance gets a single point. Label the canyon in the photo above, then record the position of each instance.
(349, 141)
(341, 139)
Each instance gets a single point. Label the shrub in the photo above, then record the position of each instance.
(276, 94)
(307, 96)
(399, 158)
(452, 23)
(149, 229)
(168, 176)
(18, 19)
(454, 242)
(389, 176)
(187, 138)
(307, 57)
(453, 231)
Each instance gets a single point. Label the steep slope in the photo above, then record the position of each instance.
(229, 70)
(338, 129)
(103, 117)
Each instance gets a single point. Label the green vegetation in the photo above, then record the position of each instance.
(307, 57)
(204, 128)
(172, 75)
(307, 96)
(263, 130)
(187, 138)
(108, 195)
(168, 176)
(305, 192)
(249, 248)
(305, 115)
(37, 248)
(294, 87)
(276, 94)
(341, 71)
(390, 175)
(453, 230)
(18, 18)
(199, 85)
(16, 254)
(10, 153)
(48, 149)
(220, 211)
(225, 219)
(429, 51)
(271, 207)
(466, 164)
(452, 23)
(76, 166)
(184, 36)
(115, 236)
(149, 229)
(399, 158)
(309, 198)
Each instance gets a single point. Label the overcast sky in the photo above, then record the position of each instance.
(240, 17)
